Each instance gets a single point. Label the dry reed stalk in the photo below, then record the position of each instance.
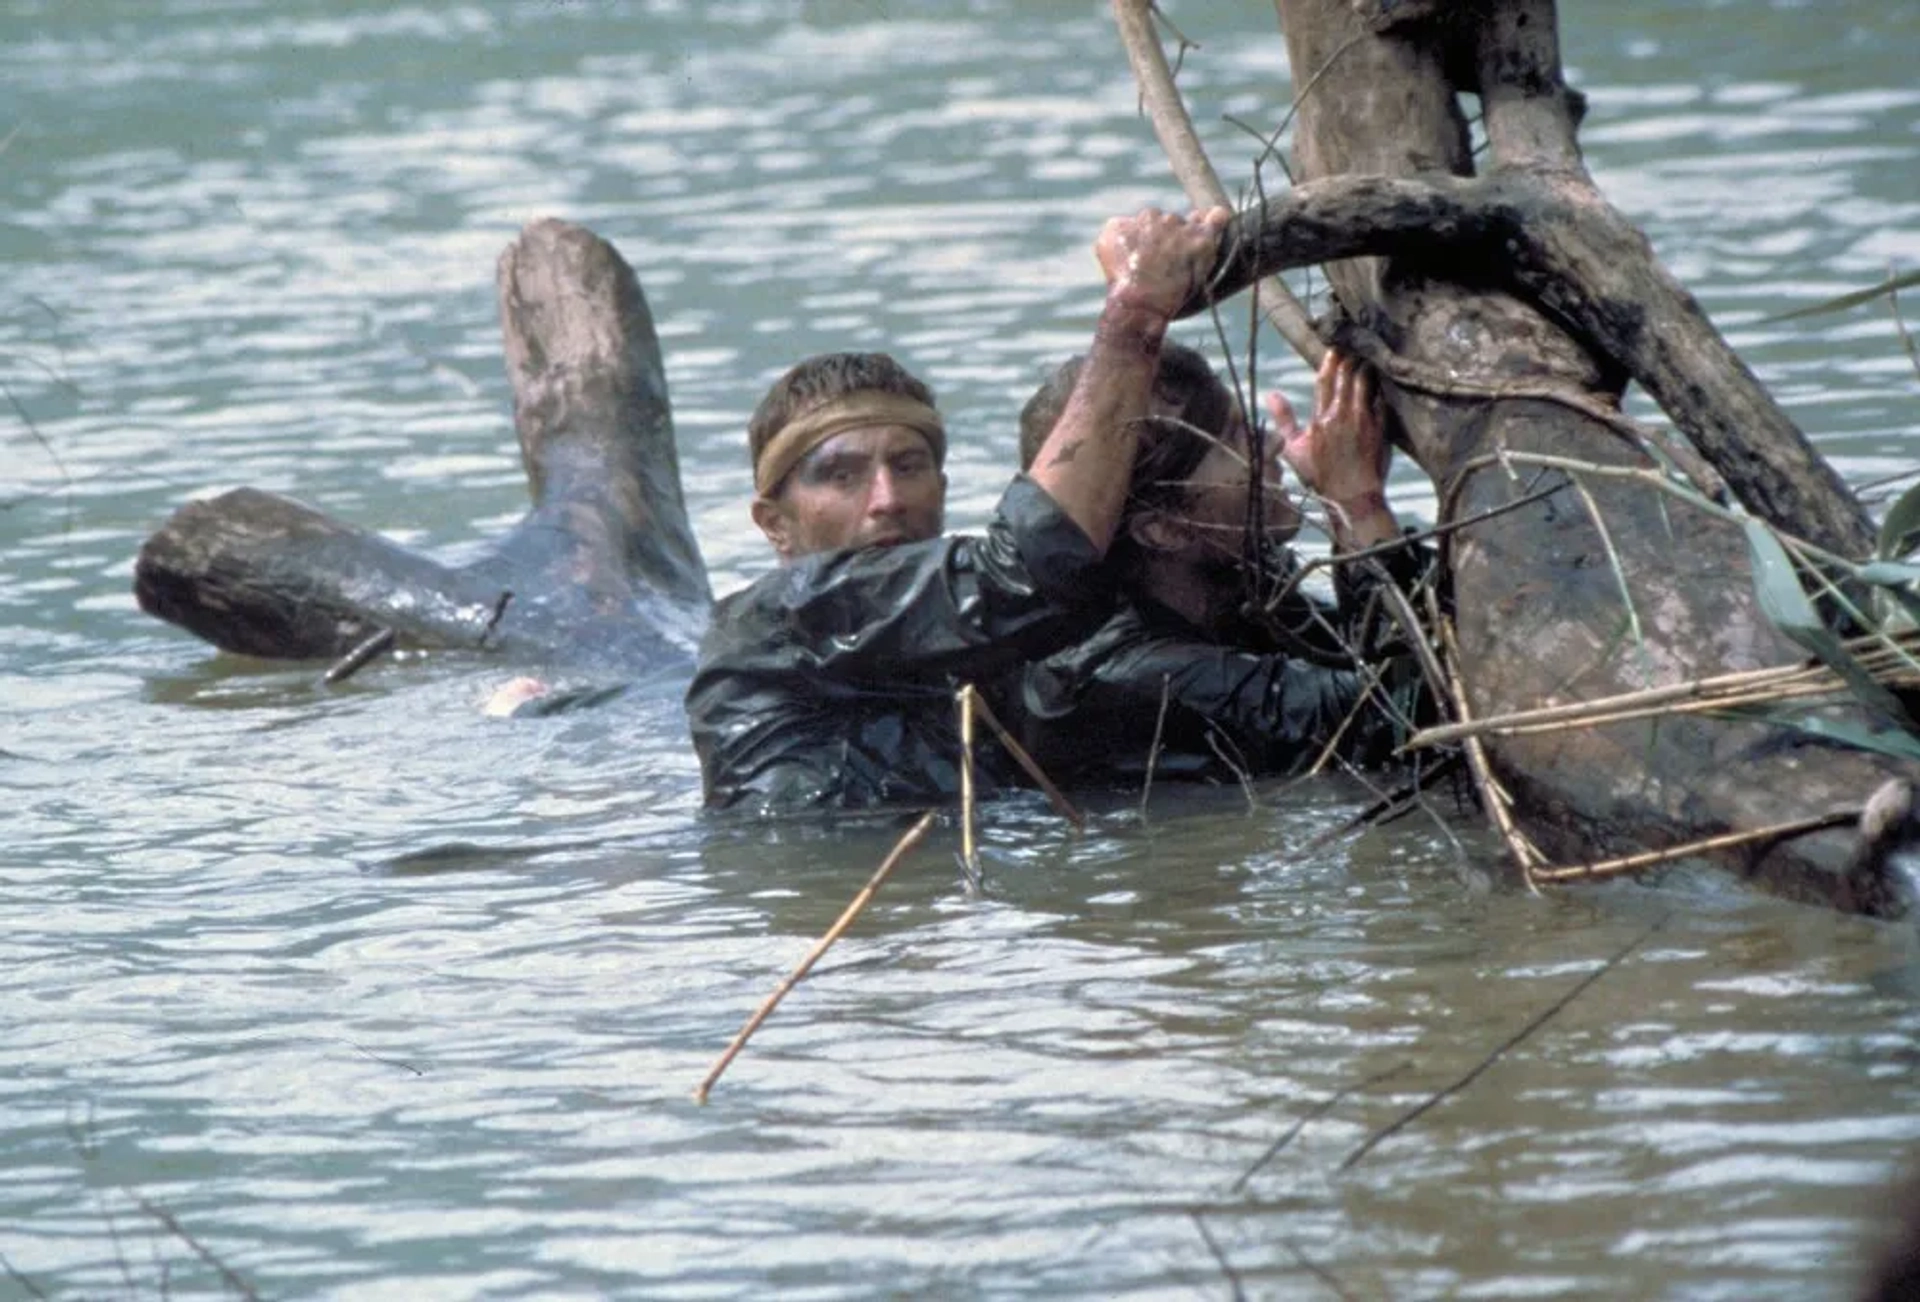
(1055, 797)
(969, 858)
(906, 843)
(1631, 863)
(1492, 795)
(1191, 167)
(1745, 687)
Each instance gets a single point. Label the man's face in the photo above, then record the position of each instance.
(872, 487)
(1215, 505)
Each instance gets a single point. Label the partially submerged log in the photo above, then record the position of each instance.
(603, 572)
(1505, 311)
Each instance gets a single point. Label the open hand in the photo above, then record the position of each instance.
(1342, 453)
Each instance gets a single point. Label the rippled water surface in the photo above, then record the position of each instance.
(355, 992)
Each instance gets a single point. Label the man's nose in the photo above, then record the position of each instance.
(883, 495)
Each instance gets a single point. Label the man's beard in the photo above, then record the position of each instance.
(1237, 596)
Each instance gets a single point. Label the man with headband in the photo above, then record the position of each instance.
(831, 681)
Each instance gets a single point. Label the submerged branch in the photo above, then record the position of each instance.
(1546, 1015)
(911, 838)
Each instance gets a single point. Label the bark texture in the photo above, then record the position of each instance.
(1478, 293)
(603, 571)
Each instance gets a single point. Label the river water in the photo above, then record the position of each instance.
(355, 992)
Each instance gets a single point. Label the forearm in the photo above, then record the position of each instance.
(1087, 460)
(1361, 520)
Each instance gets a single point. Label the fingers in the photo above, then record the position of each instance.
(1154, 260)
(1323, 383)
(1280, 413)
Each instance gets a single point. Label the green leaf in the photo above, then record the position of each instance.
(1892, 285)
(1900, 531)
(1842, 732)
(1890, 574)
(1785, 604)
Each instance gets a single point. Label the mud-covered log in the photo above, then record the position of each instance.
(1593, 274)
(603, 571)
(263, 575)
(1525, 278)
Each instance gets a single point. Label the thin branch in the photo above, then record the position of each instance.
(1239, 769)
(969, 854)
(232, 1278)
(1316, 1270)
(1802, 678)
(1541, 1019)
(1174, 128)
(1153, 751)
(1055, 797)
(1314, 1113)
(1613, 561)
(1236, 1289)
(1492, 796)
(363, 652)
(1725, 841)
(906, 843)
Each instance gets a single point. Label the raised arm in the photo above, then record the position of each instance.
(1153, 262)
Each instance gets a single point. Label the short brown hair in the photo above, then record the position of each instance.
(1168, 452)
(823, 378)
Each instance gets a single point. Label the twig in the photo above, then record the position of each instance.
(20, 1279)
(493, 620)
(1174, 128)
(1724, 841)
(1386, 808)
(1314, 1113)
(1055, 797)
(1407, 539)
(227, 1273)
(1541, 1019)
(1237, 1290)
(1653, 478)
(1492, 796)
(1315, 1269)
(906, 843)
(1650, 441)
(969, 857)
(1613, 561)
(1716, 691)
(1239, 769)
(357, 659)
(1153, 751)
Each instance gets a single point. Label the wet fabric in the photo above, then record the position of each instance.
(1090, 715)
(831, 681)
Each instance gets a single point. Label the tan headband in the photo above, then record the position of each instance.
(863, 410)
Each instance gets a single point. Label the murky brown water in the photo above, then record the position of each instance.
(360, 993)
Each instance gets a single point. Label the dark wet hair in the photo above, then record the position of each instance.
(1169, 452)
(824, 378)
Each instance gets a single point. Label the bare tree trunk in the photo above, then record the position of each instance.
(1506, 311)
(603, 571)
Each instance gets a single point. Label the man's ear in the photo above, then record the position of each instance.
(1156, 531)
(772, 519)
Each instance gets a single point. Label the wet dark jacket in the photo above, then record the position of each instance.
(1089, 714)
(831, 681)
